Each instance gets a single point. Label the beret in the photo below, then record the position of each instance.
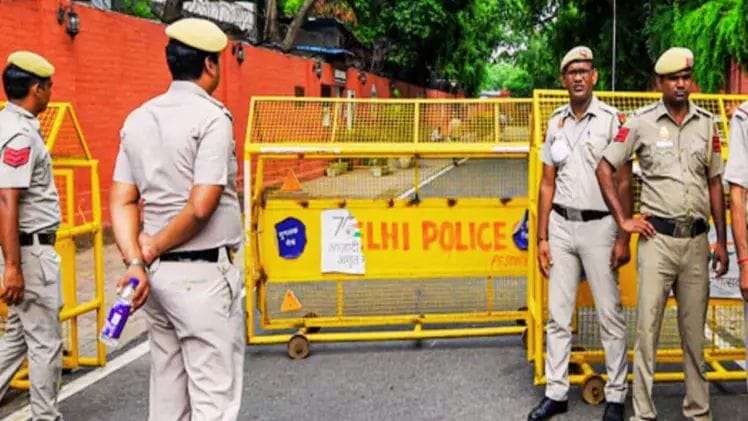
(674, 60)
(197, 33)
(32, 63)
(580, 53)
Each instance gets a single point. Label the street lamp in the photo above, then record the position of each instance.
(70, 18)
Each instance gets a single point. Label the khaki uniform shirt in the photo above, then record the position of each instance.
(173, 142)
(26, 164)
(575, 147)
(736, 171)
(676, 161)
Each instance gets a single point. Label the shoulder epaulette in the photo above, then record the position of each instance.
(608, 108)
(742, 111)
(558, 110)
(646, 109)
(704, 112)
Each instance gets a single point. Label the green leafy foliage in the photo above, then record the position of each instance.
(423, 40)
(716, 31)
(505, 76)
(139, 8)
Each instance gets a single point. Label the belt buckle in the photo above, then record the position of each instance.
(684, 228)
(574, 214)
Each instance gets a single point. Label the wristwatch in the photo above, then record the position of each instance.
(134, 262)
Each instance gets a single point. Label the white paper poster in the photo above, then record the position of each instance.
(342, 251)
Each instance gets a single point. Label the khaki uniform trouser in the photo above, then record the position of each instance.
(576, 245)
(33, 330)
(197, 341)
(681, 265)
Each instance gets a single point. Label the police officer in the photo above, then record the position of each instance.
(736, 173)
(177, 154)
(576, 233)
(29, 217)
(678, 150)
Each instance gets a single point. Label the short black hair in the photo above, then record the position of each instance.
(185, 62)
(18, 82)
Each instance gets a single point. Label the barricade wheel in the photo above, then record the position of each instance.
(521, 322)
(593, 391)
(524, 338)
(298, 347)
(314, 329)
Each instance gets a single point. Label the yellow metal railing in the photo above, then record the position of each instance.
(72, 164)
(438, 247)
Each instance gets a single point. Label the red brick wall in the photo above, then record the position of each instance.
(737, 81)
(117, 62)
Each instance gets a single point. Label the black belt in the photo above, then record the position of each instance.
(679, 228)
(45, 239)
(208, 255)
(579, 215)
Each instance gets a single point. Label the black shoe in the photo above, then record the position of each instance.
(547, 408)
(613, 412)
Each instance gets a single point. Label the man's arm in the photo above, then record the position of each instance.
(609, 190)
(545, 200)
(740, 233)
(625, 193)
(123, 206)
(13, 282)
(717, 202)
(620, 254)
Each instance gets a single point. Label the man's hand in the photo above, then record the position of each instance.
(744, 282)
(142, 291)
(544, 257)
(720, 256)
(148, 248)
(620, 254)
(13, 286)
(639, 225)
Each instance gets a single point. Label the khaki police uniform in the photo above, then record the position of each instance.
(33, 326)
(195, 313)
(736, 171)
(574, 147)
(676, 163)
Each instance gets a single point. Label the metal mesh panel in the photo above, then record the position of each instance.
(68, 142)
(724, 328)
(389, 121)
(393, 178)
(394, 297)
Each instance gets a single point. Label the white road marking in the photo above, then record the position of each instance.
(86, 380)
(431, 178)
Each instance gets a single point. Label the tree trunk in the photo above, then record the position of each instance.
(172, 11)
(271, 21)
(296, 23)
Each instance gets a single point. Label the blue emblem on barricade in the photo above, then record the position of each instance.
(291, 236)
(521, 233)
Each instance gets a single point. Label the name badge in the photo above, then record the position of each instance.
(664, 144)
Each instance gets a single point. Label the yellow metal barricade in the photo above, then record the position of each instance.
(724, 329)
(385, 219)
(76, 176)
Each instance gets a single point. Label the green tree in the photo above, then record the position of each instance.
(140, 8)
(423, 40)
(716, 31)
(507, 76)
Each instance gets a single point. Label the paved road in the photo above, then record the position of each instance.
(481, 379)
(476, 379)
